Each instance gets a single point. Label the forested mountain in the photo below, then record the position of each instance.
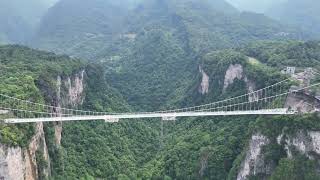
(153, 55)
(135, 42)
(19, 19)
(93, 26)
(90, 26)
(300, 13)
(185, 30)
(43, 77)
(190, 148)
(22, 71)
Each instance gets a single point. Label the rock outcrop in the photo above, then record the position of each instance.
(75, 86)
(302, 103)
(254, 160)
(12, 166)
(74, 95)
(204, 86)
(304, 142)
(70, 90)
(236, 71)
(18, 163)
(307, 143)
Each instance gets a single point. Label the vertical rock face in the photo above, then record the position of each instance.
(70, 90)
(17, 163)
(204, 86)
(307, 143)
(37, 143)
(233, 72)
(254, 161)
(75, 87)
(315, 141)
(74, 95)
(11, 163)
(304, 142)
(58, 133)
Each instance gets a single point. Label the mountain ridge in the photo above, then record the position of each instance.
(99, 30)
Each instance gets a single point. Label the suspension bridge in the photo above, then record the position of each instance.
(270, 100)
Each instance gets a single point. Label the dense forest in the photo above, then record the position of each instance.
(21, 70)
(96, 29)
(153, 55)
(295, 12)
(171, 153)
(142, 149)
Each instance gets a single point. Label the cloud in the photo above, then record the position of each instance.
(259, 6)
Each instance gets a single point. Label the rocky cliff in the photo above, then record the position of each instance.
(18, 163)
(69, 93)
(33, 162)
(306, 143)
(254, 161)
(204, 86)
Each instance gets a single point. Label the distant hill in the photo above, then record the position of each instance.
(89, 26)
(150, 56)
(162, 41)
(19, 19)
(152, 46)
(304, 13)
(254, 5)
(93, 26)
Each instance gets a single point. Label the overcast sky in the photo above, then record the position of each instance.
(51, 2)
(259, 6)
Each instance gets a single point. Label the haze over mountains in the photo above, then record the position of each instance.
(304, 14)
(42, 29)
(299, 13)
(102, 30)
(260, 6)
(127, 56)
(100, 23)
(19, 19)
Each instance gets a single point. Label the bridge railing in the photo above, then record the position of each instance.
(271, 97)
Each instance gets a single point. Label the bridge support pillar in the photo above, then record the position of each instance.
(4, 111)
(111, 120)
(168, 118)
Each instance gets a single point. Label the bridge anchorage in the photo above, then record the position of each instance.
(270, 100)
